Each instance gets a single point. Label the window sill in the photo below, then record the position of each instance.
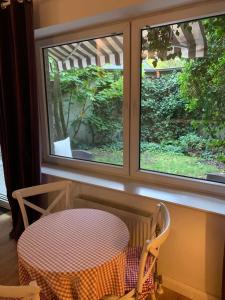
(205, 203)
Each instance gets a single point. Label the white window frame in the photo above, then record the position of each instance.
(131, 100)
(157, 19)
(121, 28)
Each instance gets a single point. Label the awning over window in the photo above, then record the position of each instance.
(187, 40)
(98, 52)
(192, 43)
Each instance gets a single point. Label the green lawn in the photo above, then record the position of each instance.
(110, 157)
(178, 164)
(172, 163)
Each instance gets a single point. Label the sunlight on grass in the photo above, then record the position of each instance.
(177, 164)
(173, 163)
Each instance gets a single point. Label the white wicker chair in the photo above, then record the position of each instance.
(63, 187)
(29, 292)
(160, 232)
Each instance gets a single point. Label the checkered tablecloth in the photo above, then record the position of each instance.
(132, 272)
(75, 254)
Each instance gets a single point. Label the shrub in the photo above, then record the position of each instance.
(192, 143)
(172, 149)
(207, 155)
(153, 147)
(221, 158)
(159, 148)
(118, 146)
(163, 113)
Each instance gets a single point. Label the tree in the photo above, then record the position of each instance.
(157, 42)
(55, 102)
(90, 97)
(203, 82)
(163, 115)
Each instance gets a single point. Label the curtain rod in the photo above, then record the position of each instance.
(6, 3)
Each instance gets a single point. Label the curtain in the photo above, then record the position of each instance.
(18, 103)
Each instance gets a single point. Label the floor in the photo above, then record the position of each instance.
(170, 295)
(8, 259)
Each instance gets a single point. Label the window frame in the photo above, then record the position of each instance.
(98, 32)
(177, 15)
(131, 107)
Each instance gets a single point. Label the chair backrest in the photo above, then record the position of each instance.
(29, 292)
(161, 228)
(63, 187)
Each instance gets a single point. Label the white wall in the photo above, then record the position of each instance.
(54, 12)
(192, 257)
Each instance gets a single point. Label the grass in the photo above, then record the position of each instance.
(177, 164)
(109, 157)
(173, 163)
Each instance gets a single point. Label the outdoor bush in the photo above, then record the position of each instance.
(207, 155)
(163, 114)
(221, 158)
(117, 146)
(152, 147)
(191, 143)
(105, 121)
(217, 148)
(202, 83)
(172, 149)
(90, 97)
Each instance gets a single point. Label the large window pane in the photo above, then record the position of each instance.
(84, 88)
(183, 99)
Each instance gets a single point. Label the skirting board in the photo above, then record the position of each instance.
(186, 290)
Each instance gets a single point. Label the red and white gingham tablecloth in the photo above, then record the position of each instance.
(75, 254)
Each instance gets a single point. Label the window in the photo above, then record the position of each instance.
(84, 84)
(182, 116)
(149, 105)
(86, 116)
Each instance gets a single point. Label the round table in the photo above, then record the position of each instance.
(75, 254)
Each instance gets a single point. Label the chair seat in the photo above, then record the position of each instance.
(133, 259)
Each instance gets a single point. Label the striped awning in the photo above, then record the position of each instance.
(98, 52)
(105, 51)
(186, 40)
(192, 43)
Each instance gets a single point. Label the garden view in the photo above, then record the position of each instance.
(182, 119)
